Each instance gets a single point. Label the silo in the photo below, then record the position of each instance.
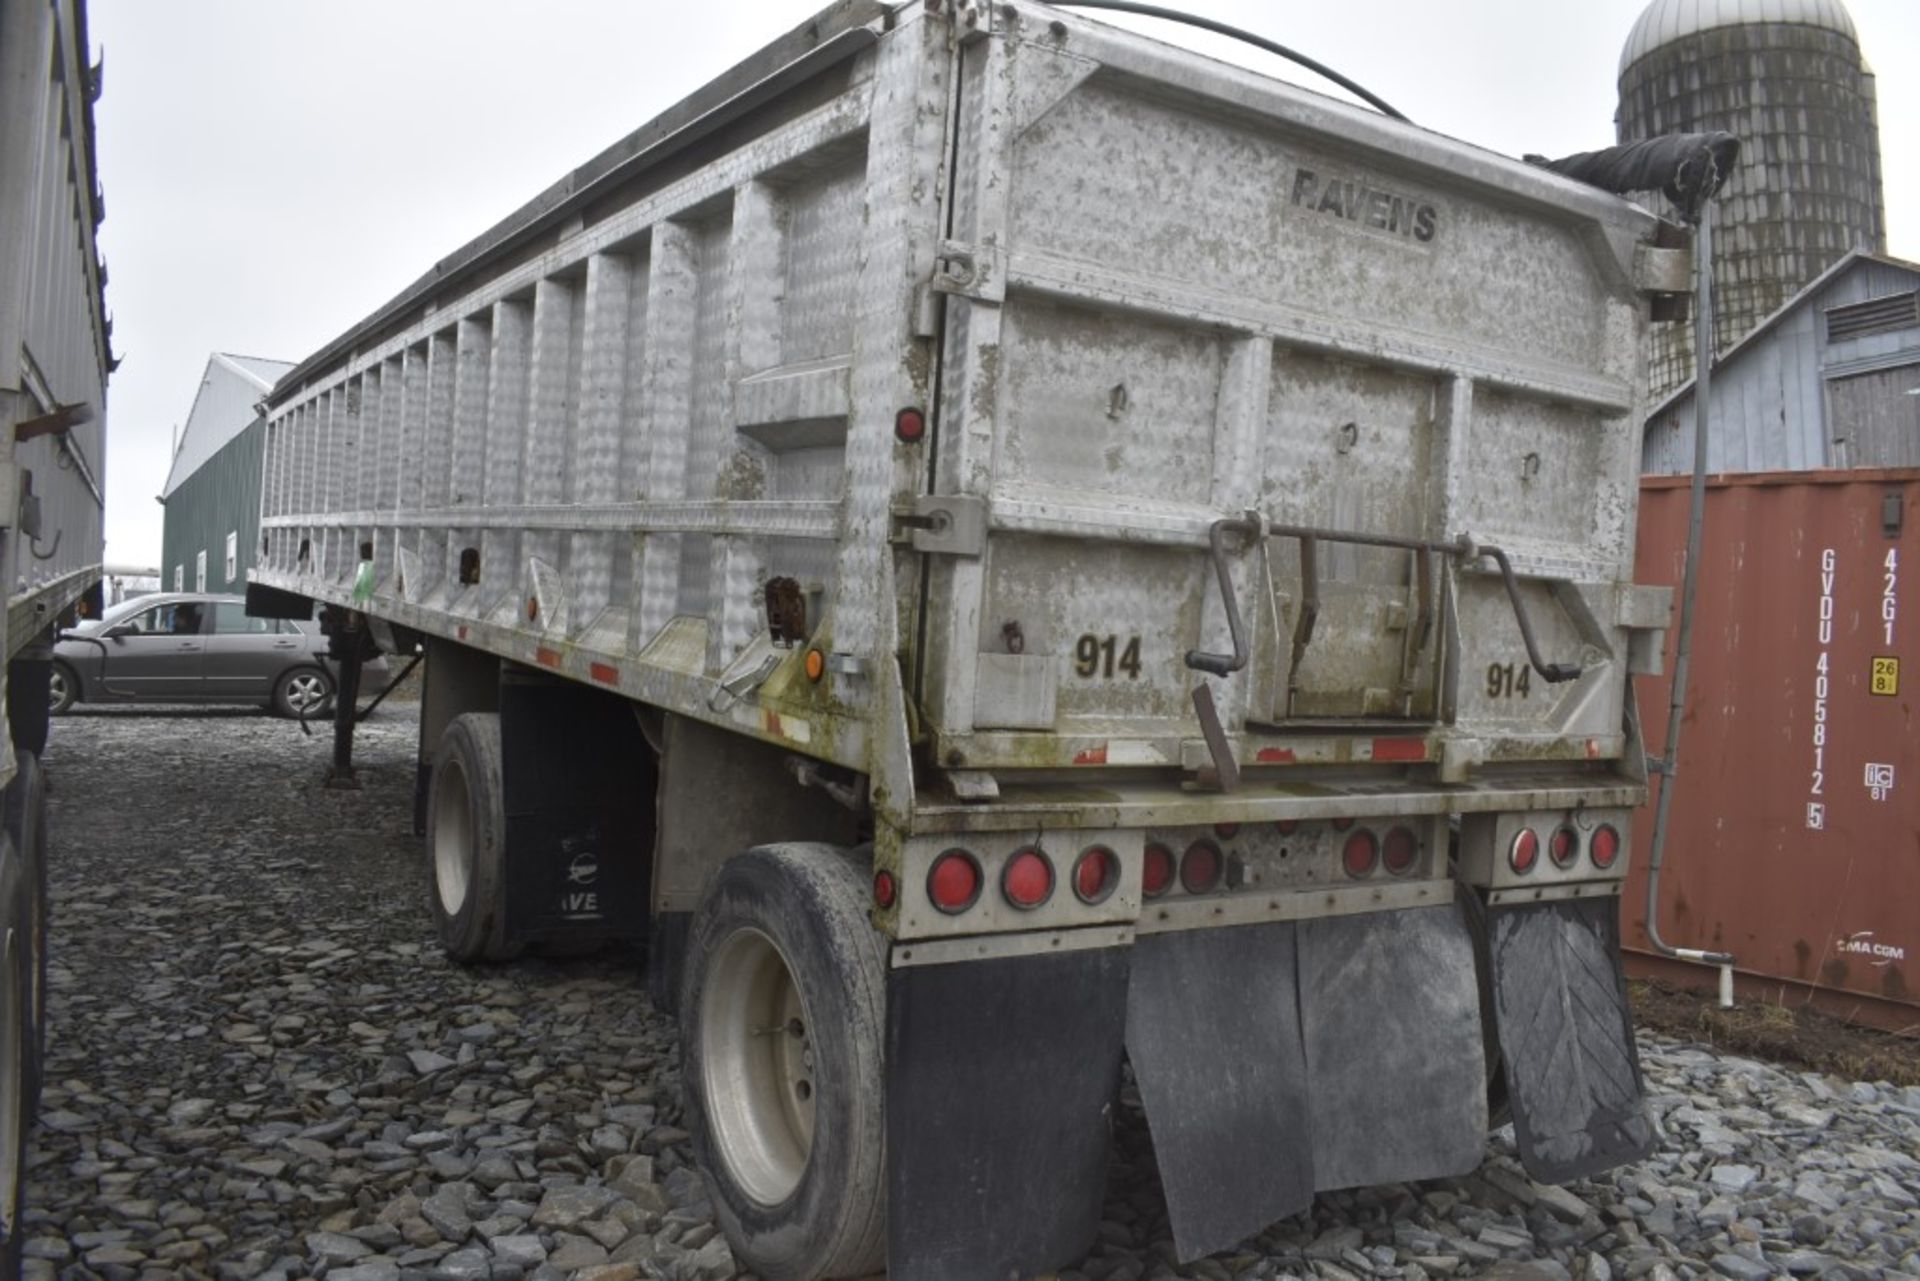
(1787, 78)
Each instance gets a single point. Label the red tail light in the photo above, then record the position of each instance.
(1342, 824)
(884, 889)
(954, 882)
(1361, 853)
(1564, 846)
(1226, 831)
(1027, 880)
(1095, 874)
(1200, 867)
(1524, 852)
(1288, 826)
(909, 425)
(1399, 850)
(1605, 847)
(1158, 873)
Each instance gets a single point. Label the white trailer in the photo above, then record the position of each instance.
(55, 356)
(1000, 546)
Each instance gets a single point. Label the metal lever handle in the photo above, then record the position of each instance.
(1554, 673)
(1222, 664)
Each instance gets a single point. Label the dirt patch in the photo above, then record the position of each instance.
(1800, 1037)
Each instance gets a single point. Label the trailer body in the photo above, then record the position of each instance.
(1171, 531)
(54, 360)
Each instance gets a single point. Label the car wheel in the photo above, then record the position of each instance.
(783, 1017)
(63, 689)
(303, 692)
(467, 841)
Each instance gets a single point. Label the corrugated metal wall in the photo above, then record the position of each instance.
(1774, 403)
(53, 334)
(222, 497)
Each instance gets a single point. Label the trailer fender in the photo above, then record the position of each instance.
(1001, 1080)
(1396, 1065)
(1560, 1008)
(1213, 1033)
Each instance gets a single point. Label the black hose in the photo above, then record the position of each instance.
(1236, 33)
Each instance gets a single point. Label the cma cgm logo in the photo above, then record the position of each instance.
(1367, 207)
(1879, 954)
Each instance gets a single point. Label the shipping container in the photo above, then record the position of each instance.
(1795, 840)
(54, 360)
(996, 543)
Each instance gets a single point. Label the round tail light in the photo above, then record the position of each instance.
(1342, 824)
(1524, 852)
(1157, 875)
(1200, 867)
(1226, 831)
(1563, 846)
(1288, 826)
(1359, 855)
(1399, 850)
(1605, 846)
(884, 889)
(1095, 874)
(909, 426)
(1027, 879)
(953, 883)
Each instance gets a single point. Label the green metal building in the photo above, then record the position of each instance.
(212, 495)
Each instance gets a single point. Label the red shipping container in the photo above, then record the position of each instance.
(1795, 840)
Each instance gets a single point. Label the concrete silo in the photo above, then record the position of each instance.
(1786, 77)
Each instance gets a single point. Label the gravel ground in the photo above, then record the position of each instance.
(262, 1067)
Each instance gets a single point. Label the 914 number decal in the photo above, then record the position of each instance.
(1102, 656)
(1509, 680)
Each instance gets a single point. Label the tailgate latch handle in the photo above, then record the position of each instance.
(1200, 660)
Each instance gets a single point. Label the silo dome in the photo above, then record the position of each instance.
(1787, 78)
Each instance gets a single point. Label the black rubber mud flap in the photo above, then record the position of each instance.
(1560, 1002)
(1390, 1015)
(1213, 1032)
(1001, 1078)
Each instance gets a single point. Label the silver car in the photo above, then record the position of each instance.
(175, 647)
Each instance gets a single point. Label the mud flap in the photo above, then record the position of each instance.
(1001, 1079)
(1213, 1032)
(1390, 1015)
(1560, 1004)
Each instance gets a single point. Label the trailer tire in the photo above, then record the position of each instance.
(16, 1109)
(26, 827)
(467, 841)
(789, 1128)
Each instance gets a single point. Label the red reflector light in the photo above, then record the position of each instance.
(1095, 874)
(1524, 852)
(954, 882)
(1563, 846)
(1342, 824)
(1399, 850)
(909, 425)
(1226, 831)
(1360, 854)
(1200, 867)
(1027, 879)
(1605, 847)
(1158, 873)
(884, 889)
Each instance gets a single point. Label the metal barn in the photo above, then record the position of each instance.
(212, 495)
(1832, 379)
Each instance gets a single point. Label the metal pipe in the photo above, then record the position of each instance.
(1689, 593)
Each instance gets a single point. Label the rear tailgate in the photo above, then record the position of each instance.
(1182, 293)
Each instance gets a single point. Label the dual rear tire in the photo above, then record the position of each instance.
(467, 841)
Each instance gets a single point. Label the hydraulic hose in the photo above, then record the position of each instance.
(1689, 592)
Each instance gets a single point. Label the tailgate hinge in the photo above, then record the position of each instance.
(945, 524)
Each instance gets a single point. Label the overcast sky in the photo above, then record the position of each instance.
(274, 171)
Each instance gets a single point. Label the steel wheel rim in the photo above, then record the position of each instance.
(305, 690)
(13, 1070)
(452, 837)
(57, 691)
(757, 1065)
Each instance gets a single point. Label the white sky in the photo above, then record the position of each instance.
(275, 171)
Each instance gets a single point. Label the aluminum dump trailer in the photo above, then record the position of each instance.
(998, 545)
(54, 360)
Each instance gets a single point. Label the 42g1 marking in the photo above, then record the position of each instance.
(1102, 656)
